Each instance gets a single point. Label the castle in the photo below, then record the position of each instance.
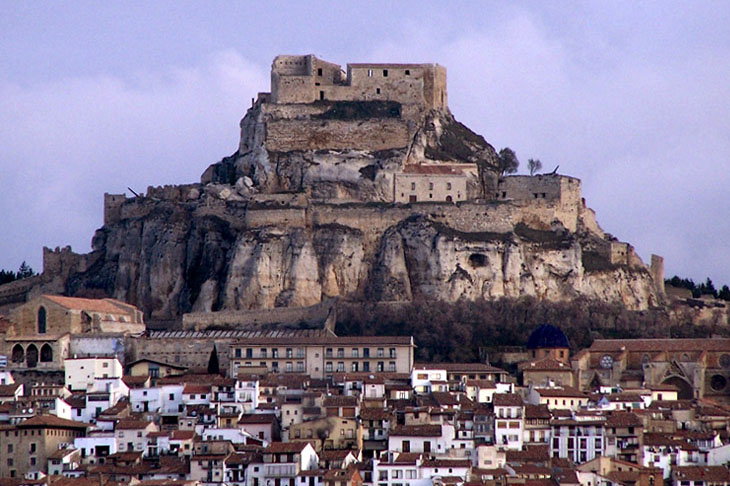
(306, 79)
(333, 162)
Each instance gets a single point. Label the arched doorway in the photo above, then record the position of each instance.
(46, 353)
(31, 356)
(18, 355)
(684, 389)
(41, 320)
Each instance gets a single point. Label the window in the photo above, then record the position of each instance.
(448, 186)
(413, 186)
(274, 353)
(408, 72)
(289, 367)
(319, 72)
(391, 366)
(430, 186)
(328, 367)
(366, 353)
(263, 352)
(41, 320)
(385, 73)
(300, 366)
(340, 366)
(238, 352)
(381, 352)
(340, 352)
(354, 366)
(370, 73)
(381, 366)
(366, 366)
(392, 352)
(377, 90)
(328, 353)
(289, 352)
(300, 352)
(249, 353)
(355, 353)
(32, 448)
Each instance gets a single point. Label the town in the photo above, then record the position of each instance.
(89, 396)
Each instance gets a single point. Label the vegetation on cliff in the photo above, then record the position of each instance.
(451, 332)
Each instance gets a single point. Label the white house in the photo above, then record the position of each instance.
(425, 379)
(432, 439)
(81, 373)
(509, 413)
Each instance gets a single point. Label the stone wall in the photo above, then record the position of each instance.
(190, 352)
(315, 315)
(566, 190)
(430, 187)
(305, 79)
(371, 135)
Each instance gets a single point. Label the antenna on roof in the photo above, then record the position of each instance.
(137, 195)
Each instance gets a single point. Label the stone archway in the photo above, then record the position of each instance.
(684, 389)
(18, 354)
(46, 353)
(31, 356)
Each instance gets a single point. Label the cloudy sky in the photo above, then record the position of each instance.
(631, 97)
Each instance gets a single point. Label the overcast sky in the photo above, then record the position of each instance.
(631, 97)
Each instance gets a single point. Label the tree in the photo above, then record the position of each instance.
(508, 162)
(213, 366)
(724, 293)
(6, 276)
(24, 271)
(534, 165)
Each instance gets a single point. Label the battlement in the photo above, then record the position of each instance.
(546, 187)
(306, 79)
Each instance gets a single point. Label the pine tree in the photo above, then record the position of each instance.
(213, 366)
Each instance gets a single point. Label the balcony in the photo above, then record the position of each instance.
(280, 471)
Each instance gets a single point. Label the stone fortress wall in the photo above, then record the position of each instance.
(306, 79)
(558, 200)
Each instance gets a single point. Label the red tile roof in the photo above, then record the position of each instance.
(47, 421)
(416, 431)
(108, 306)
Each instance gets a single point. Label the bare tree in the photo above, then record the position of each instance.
(534, 165)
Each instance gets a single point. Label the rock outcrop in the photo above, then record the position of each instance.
(364, 196)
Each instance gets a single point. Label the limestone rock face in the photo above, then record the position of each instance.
(173, 261)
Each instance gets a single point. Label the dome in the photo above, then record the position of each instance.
(547, 336)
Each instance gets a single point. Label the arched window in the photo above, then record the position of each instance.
(31, 356)
(41, 320)
(18, 355)
(46, 353)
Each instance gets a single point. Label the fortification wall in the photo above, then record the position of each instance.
(190, 352)
(372, 135)
(374, 219)
(565, 189)
(313, 315)
(285, 217)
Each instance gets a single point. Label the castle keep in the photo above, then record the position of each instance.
(306, 79)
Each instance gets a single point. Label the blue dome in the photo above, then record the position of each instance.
(547, 336)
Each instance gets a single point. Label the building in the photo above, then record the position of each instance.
(432, 183)
(699, 368)
(28, 446)
(41, 330)
(319, 357)
(306, 79)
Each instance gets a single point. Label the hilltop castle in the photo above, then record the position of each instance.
(358, 184)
